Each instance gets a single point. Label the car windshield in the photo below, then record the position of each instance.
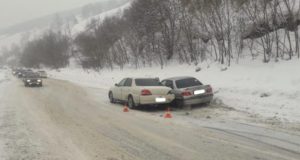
(188, 82)
(147, 82)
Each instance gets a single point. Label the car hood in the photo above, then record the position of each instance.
(32, 79)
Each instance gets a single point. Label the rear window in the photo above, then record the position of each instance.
(189, 82)
(147, 82)
(32, 76)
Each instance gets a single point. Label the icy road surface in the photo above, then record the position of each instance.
(63, 121)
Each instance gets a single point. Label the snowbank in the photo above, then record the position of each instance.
(271, 90)
(3, 109)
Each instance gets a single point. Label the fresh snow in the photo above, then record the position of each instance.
(83, 23)
(270, 90)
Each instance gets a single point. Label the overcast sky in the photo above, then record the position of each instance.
(15, 11)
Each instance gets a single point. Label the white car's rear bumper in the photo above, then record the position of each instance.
(156, 99)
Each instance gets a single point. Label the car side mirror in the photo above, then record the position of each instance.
(117, 85)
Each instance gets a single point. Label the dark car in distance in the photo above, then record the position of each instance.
(32, 79)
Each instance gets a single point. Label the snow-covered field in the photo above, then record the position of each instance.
(270, 90)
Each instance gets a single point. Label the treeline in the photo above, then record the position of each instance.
(51, 50)
(155, 32)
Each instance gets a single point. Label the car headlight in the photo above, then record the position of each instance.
(39, 80)
(28, 80)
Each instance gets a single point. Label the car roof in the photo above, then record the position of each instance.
(142, 77)
(178, 78)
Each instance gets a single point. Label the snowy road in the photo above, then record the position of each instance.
(65, 121)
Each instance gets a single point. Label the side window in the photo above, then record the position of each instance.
(169, 84)
(122, 83)
(128, 82)
(163, 83)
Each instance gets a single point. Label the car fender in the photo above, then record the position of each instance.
(135, 93)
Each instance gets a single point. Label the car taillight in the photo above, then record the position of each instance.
(146, 92)
(209, 89)
(186, 93)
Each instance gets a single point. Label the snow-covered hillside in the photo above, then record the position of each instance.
(7, 40)
(84, 22)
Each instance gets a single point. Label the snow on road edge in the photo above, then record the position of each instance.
(270, 90)
(3, 79)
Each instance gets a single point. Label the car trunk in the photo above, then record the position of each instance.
(157, 90)
(197, 89)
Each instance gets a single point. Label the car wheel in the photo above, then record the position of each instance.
(111, 97)
(131, 103)
(207, 103)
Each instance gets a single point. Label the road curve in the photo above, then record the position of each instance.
(63, 121)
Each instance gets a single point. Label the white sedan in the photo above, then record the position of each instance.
(140, 91)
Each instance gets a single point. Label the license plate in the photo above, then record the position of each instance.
(197, 92)
(160, 100)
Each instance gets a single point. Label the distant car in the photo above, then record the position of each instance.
(140, 91)
(189, 91)
(42, 74)
(18, 73)
(21, 73)
(25, 73)
(14, 71)
(32, 79)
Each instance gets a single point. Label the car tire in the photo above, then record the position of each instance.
(111, 98)
(207, 103)
(131, 103)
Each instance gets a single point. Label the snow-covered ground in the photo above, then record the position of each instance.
(3, 79)
(270, 90)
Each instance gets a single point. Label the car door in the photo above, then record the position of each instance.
(118, 89)
(126, 89)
